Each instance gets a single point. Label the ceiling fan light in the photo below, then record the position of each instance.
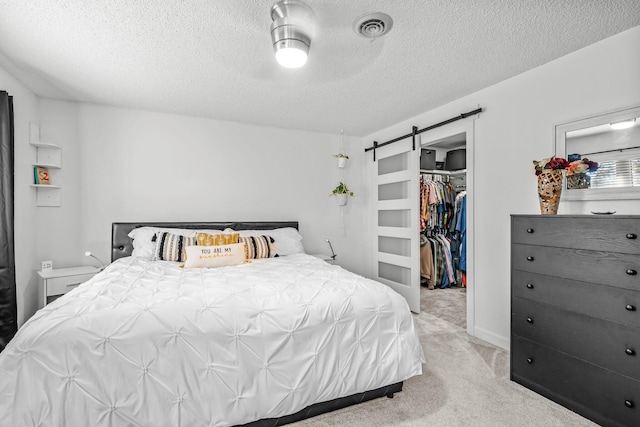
(291, 53)
(625, 124)
(291, 32)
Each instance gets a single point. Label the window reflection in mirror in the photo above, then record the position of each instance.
(612, 140)
(616, 149)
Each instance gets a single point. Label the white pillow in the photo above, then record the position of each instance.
(287, 240)
(143, 244)
(214, 256)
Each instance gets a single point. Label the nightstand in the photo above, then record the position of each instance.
(324, 257)
(61, 280)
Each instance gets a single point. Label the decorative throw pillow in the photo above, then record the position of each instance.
(287, 240)
(170, 247)
(207, 239)
(144, 239)
(215, 256)
(258, 246)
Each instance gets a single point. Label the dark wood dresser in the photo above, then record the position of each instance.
(575, 312)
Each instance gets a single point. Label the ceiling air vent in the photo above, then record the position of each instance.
(373, 25)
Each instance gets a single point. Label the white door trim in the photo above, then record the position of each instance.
(431, 137)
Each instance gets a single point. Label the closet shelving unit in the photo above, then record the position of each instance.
(443, 172)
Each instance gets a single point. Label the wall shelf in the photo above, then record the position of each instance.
(46, 165)
(45, 145)
(45, 186)
(47, 156)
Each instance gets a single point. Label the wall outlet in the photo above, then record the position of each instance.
(47, 265)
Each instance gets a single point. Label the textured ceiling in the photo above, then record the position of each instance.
(211, 58)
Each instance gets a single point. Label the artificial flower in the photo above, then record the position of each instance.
(581, 166)
(550, 163)
(557, 163)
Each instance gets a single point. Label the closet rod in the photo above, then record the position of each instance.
(417, 131)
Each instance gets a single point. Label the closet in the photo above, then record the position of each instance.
(443, 219)
(395, 180)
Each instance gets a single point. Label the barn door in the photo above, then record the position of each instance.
(396, 219)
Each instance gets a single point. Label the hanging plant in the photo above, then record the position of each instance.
(342, 194)
(342, 159)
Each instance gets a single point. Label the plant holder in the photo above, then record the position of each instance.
(342, 199)
(549, 190)
(342, 162)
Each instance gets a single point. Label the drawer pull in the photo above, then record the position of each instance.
(529, 360)
(72, 285)
(630, 307)
(530, 230)
(529, 319)
(629, 403)
(529, 285)
(530, 258)
(630, 351)
(631, 272)
(632, 236)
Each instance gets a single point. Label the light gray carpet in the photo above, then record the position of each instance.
(448, 304)
(465, 382)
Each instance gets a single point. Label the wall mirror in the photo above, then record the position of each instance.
(611, 139)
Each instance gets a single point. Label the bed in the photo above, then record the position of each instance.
(149, 343)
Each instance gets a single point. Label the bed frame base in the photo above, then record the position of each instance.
(331, 405)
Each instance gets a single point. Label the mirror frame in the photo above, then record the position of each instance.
(561, 130)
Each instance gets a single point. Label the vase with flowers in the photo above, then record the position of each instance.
(549, 173)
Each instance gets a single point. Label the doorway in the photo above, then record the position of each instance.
(452, 166)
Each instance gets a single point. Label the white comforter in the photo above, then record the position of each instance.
(150, 344)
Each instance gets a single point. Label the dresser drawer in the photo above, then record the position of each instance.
(62, 285)
(607, 268)
(615, 234)
(601, 395)
(604, 302)
(607, 344)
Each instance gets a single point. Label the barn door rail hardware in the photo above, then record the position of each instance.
(415, 131)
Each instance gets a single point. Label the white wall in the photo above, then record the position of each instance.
(59, 238)
(132, 165)
(516, 127)
(25, 105)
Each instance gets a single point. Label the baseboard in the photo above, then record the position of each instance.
(492, 338)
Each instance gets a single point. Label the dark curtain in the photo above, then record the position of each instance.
(8, 309)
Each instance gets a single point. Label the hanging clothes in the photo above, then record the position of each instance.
(437, 254)
(448, 278)
(443, 223)
(438, 263)
(436, 204)
(461, 227)
(426, 263)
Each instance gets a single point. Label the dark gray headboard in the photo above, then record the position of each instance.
(121, 244)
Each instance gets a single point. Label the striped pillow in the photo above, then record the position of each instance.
(207, 239)
(258, 246)
(170, 247)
